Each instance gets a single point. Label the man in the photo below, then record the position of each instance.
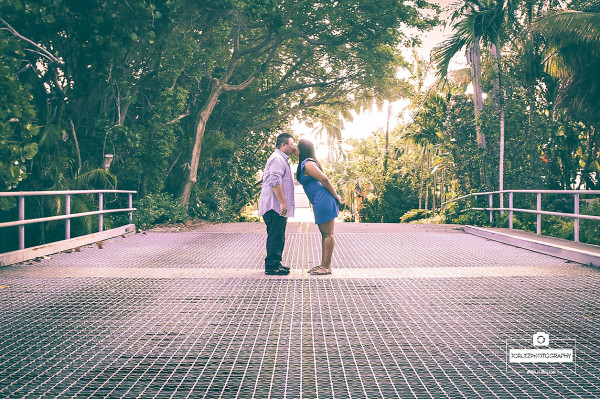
(276, 202)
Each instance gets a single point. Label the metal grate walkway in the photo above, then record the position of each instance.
(294, 337)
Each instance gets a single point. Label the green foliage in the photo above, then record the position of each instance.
(396, 199)
(369, 210)
(247, 215)
(415, 214)
(589, 230)
(156, 209)
(18, 118)
(132, 79)
(347, 217)
(475, 218)
(213, 204)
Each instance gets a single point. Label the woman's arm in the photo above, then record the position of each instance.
(313, 170)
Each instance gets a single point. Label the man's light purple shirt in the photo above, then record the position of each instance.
(277, 172)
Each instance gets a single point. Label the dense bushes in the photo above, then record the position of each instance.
(156, 209)
(415, 214)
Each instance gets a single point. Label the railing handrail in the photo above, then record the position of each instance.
(63, 192)
(21, 222)
(576, 216)
(63, 217)
(526, 192)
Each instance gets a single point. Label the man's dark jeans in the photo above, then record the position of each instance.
(275, 238)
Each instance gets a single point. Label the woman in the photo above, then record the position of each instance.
(323, 197)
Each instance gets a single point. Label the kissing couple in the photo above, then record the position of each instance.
(276, 202)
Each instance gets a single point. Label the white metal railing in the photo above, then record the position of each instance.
(68, 215)
(576, 216)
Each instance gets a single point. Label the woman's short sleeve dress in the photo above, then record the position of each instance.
(325, 206)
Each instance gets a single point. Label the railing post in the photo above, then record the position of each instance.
(67, 212)
(539, 215)
(576, 220)
(510, 211)
(130, 206)
(100, 208)
(21, 217)
(491, 201)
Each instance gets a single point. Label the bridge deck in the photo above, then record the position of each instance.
(410, 311)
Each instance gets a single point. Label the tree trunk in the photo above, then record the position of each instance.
(501, 103)
(76, 146)
(387, 140)
(123, 112)
(427, 184)
(442, 188)
(330, 151)
(474, 59)
(434, 188)
(203, 115)
(421, 179)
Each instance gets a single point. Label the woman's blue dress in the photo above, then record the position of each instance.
(325, 206)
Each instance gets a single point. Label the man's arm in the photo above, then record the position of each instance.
(278, 190)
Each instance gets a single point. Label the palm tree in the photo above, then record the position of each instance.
(428, 132)
(330, 120)
(476, 22)
(572, 54)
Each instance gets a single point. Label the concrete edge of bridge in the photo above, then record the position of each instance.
(577, 252)
(22, 255)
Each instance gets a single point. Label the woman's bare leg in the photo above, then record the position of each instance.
(328, 242)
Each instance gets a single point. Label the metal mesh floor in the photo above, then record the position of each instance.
(353, 250)
(294, 337)
(337, 338)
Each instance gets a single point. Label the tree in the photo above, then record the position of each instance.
(185, 90)
(378, 195)
(303, 54)
(572, 55)
(490, 22)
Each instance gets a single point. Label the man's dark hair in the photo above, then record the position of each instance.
(282, 138)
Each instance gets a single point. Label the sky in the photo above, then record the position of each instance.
(371, 120)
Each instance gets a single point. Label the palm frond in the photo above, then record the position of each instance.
(97, 178)
(55, 205)
(82, 204)
(580, 28)
(443, 54)
(573, 46)
(571, 53)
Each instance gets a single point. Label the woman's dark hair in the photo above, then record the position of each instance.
(307, 150)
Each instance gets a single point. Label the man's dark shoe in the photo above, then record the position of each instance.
(280, 271)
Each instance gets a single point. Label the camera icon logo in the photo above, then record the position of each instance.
(541, 339)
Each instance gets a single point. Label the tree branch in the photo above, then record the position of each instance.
(250, 79)
(178, 118)
(268, 38)
(311, 103)
(315, 42)
(42, 49)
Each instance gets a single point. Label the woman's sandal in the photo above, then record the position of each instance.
(313, 269)
(321, 271)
